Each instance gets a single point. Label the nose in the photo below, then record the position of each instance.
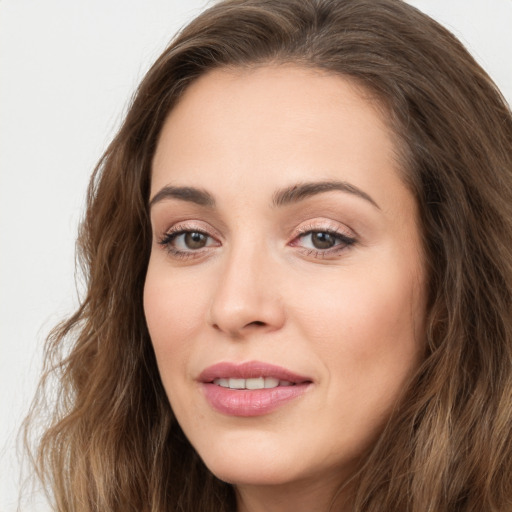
(248, 297)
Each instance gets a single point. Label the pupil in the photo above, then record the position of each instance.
(322, 240)
(195, 240)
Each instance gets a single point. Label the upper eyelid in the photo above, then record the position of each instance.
(347, 238)
(337, 233)
(190, 226)
(328, 226)
(321, 224)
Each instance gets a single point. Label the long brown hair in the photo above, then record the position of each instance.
(113, 443)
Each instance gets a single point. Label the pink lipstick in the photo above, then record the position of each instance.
(250, 389)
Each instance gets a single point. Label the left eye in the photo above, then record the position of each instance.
(323, 240)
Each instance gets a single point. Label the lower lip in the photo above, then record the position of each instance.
(254, 402)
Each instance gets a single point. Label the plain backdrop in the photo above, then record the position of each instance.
(67, 71)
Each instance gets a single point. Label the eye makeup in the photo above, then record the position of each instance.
(316, 239)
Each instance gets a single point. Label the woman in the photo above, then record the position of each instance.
(299, 276)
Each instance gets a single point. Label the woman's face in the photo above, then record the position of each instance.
(285, 290)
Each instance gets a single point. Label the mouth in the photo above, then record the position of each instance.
(250, 389)
(250, 375)
(252, 383)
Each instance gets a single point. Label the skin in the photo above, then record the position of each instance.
(349, 317)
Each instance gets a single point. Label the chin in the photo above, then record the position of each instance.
(254, 473)
(244, 476)
(262, 459)
(250, 460)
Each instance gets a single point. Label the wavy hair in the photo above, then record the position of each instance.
(113, 444)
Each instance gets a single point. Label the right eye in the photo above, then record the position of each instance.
(185, 241)
(190, 240)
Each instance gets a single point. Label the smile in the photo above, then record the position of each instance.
(254, 383)
(250, 389)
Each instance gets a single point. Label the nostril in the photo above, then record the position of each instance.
(257, 322)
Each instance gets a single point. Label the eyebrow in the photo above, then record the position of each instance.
(190, 194)
(301, 191)
(289, 195)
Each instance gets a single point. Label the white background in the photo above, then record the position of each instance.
(67, 71)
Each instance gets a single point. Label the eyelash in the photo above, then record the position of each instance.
(175, 232)
(344, 240)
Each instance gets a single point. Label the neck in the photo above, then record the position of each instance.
(320, 496)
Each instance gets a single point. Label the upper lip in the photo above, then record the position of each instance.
(249, 370)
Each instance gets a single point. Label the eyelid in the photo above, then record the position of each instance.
(324, 225)
(193, 225)
(178, 229)
(346, 238)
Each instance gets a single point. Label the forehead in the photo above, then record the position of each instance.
(274, 123)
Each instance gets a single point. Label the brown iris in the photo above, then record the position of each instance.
(195, 240)
(322, 240)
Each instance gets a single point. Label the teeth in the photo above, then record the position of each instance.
(237, 383)
(271, 382)
(253, 383)
(258, 383)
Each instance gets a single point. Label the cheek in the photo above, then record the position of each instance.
(366, 325)
(174, 311)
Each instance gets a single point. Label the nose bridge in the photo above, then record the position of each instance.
(247, 294)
